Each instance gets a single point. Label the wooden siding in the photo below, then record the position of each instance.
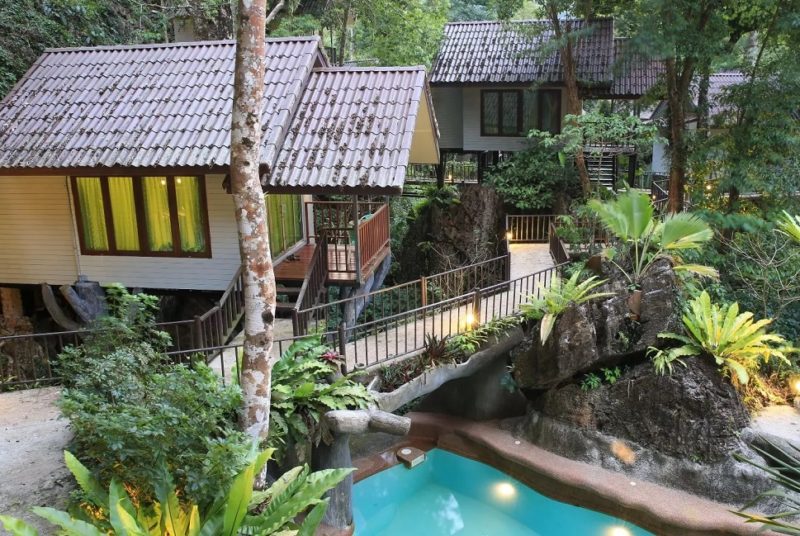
(179, 273)
(473, 141)
(37, 240)
(449, 112)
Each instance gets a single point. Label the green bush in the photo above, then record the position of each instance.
(305, 386)
(237, 509)
(531, 179)
(131, 409)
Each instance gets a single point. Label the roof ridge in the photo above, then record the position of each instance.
(522, 21)
(356, 68)
(178, 44)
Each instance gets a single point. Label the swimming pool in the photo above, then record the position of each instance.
(452, 495)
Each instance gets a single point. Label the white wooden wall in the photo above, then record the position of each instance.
(37, 242)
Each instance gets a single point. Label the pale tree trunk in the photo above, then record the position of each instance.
(251, 215)
(574, 106)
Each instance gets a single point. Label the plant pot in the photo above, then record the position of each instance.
(595, 264)
(635, 303)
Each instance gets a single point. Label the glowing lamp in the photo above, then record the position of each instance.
(708, 187)
(470, 319)
(619, 531)
(509, 235)
(504, 491)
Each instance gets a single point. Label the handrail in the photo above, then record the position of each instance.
(557, 248)
(528, 227)
(373, 235)
(313, 283)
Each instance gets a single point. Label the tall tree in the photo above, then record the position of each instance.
(251, 213)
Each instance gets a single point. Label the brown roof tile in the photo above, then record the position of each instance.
(143, 106)
(517, 52)
(353, 129)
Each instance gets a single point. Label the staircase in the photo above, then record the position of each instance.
(602, 168)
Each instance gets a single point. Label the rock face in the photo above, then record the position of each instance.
(462, 232)
(694, 413)
(601, 333)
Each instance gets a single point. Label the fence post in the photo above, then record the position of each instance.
(423, 283)
(476, 305)
(295, 323)
(198, 337)
(343, 345)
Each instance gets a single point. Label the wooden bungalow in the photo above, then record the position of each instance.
(113, 164)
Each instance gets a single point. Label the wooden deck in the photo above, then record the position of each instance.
(341, 264)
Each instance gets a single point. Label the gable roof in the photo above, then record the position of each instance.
(516, 52)
(349, 131)
(163, 105)
(718, 84)
(633, 74)
(168, 106)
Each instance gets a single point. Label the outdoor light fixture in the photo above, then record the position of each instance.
(509, 235)
(504, 491)
(470, 320)
(708, 187)
(619, 531)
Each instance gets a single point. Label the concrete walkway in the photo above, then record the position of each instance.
(385, 340)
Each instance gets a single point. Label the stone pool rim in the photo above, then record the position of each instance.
(658, 509)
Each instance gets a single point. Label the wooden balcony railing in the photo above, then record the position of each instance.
(373, 236)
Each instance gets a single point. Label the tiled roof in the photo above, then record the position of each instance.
(143, 106)
(633, 74)
(718, 83)
(518, 52)
(353, 129)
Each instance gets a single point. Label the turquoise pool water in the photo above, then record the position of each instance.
(452, 495)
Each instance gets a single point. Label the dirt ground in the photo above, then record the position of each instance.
(32, 440)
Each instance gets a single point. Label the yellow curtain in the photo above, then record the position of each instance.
(156, 210)
(93, 216)
(190, 214)
(123, 213)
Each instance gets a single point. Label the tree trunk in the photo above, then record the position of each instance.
(574, 106)
(677, 145)
(259, 289)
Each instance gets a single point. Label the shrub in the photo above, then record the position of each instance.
(131, 409)
(737, 342)
(304, 387)
(236, 508)
(560, 295)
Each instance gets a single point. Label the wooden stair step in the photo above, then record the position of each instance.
(289, 291)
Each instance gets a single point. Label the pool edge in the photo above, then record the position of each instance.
(658, 509)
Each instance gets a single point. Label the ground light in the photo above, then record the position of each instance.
(504, 491)
(469, 320)
(509, 235)
(618, 531)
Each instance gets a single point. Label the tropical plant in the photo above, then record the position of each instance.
(304, 387)
(129, 407)
(236, 510)
(790, 226)
(736, 341)
(784, 469)
(558, 296)
(630, 217)
(590, 381)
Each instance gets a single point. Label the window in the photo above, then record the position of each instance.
(285, 220)
(144, 216)
(514, 112)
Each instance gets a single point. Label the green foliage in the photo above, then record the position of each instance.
(405, 32)
(630, 217)
(558, 297)
(784, 470)
(467, 343)
(129, 407)
(790, 226)
(236, 508)
(737, 342)
(304, 387)
(533, 179)
(590, 381)
(611, 375)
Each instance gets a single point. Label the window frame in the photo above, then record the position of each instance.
(520, 111)
(141, 225)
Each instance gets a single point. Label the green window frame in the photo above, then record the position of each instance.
(512, 113)
(146, 216)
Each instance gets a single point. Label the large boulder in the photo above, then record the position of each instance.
(601, 333)
(679, 430)
(693, 413)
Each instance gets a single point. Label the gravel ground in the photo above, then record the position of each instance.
(33, 437)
